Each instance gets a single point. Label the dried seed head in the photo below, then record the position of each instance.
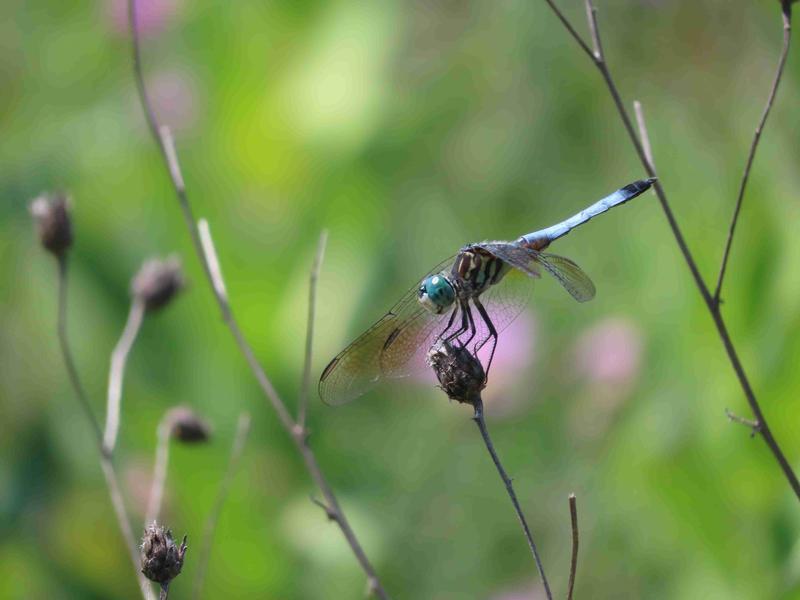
(162, 559)
(50, 212)
(186, 426)
(460, 373)
(157, 282)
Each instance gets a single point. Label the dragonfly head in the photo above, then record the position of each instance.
(436, 293)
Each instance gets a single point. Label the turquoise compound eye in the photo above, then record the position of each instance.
(436, 293)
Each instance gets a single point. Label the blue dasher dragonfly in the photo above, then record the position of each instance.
(467, 299)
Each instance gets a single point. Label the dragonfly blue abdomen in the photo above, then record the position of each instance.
(467, 300)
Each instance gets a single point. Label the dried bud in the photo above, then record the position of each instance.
(157, 282)
(186, 426)
(51, 215)
(162, 559)
(460, 373)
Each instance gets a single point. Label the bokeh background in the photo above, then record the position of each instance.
(406, 129)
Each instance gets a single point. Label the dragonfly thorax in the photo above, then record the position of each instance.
(436, 293)
(475, 270)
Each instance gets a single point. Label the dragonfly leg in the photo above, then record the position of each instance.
(472, 328)
(464, 324)
(492, 332)
(449, 322)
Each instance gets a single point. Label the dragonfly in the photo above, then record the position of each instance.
(466, 299)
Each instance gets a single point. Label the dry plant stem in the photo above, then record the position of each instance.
(116, 374)
(164, 141)
(112, 481)
(481, 423)
(242, 431)
(164, 593)
(159, 470)
(786, 15)
(573, 564)
(63, 340)
(598, 59)
(302, 401)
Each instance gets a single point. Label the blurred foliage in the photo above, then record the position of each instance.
(406, 129)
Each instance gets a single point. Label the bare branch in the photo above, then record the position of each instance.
(754, 426)
(786, 16)
(481, 423)
(163, 433)
(171, 161)
(112, 481)
(63, 340)
(242, 431)
(573, 564)
(116, 373)
(642, 125)
(711, 304)
(591, 17)
(302, 401)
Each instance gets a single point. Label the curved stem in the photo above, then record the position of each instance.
(207, 257)
(713, 306)
(110, 475)
(786, 15)
(159, 469)
(481, 423)
(116, 374)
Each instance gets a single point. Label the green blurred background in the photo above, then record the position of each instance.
(406, 129)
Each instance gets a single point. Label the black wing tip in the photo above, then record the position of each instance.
(640, 186)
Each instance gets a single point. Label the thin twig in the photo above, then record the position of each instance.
(242, 430)
(63, 340)
(642, 125)
(786, 15)
(109, 473)
(481, 423)
(302, 401)
(754, 426)
(204, 252)
(163, 434)
(164, 593)
(713, 307)
(573, 563)
(116, 373)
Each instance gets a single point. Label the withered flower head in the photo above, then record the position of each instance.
(187, 426)
(162, 559)
(50, 212)
(157, 282)
(460, 373)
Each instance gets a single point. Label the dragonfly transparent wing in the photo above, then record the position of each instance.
(570, 275)
(390, 348)
(504, 302)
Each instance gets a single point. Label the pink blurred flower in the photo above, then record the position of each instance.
(526, 591)
(609, 352)
(608, 357)
(513, 359)
(152, 16)
(174, 97)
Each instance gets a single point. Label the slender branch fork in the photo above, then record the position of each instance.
(110, 474)
(644, 153)
(481, 423)
(204, 249)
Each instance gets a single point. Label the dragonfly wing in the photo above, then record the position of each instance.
(529, 261)
(360, 366)
(504, 302)
(571, 276)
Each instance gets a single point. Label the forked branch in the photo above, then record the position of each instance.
(207, 256)
(598, 59)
